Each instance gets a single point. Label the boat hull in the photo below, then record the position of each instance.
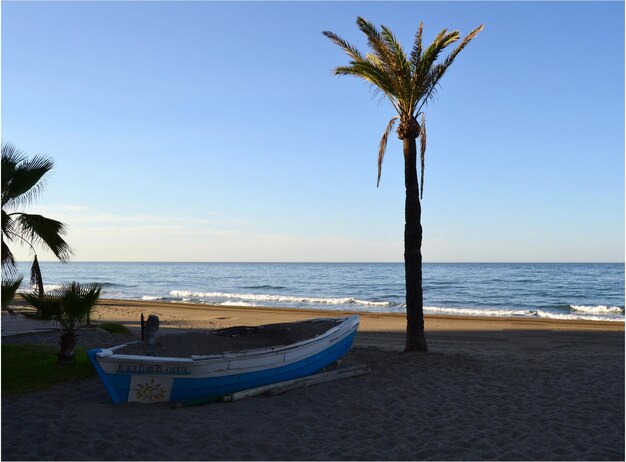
(151, 379)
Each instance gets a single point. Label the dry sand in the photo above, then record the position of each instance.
(507, 389)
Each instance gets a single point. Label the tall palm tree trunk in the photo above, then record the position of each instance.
(415, 339)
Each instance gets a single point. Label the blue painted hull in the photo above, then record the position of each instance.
(119, 385)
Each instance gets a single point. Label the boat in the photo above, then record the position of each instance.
(150, 378)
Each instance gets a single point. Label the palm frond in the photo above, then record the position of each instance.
(422, 136)
(376, 42)
(371, 73)
(386, 58)
(347, 47)
(78, 299)
(402, 68)
(383, 146)
(39, 229)
(386, 67)
(458, 49)
(436, 72)
(430, 54)
(416, 53)
(48, 305)
(69, 305)
(8, 260)
(9, 288)
(35, 275)
(11, 157)
(22, 179)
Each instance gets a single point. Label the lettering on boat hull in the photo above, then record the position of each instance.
(137, 368)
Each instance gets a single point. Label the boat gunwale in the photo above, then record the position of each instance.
(108, 354)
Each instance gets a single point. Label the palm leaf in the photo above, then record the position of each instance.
(9, 288)
(39, 229)
(385, 58)
(48, 305)
(369, 72)
(416, 53)
(422, 137)
(376, 42)
(429, 57)
(69, 305)
(35, 275)
(8, 225)
(435, 73)
(383, 146)
(462, 45)
(21, 177)
(401, 65)
(8, 260)
(79, 299)
(347, 47)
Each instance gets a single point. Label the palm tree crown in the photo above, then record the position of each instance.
(22, 181)
(408, 82)
(70, 306)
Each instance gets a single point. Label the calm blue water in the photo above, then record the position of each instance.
(564, 291)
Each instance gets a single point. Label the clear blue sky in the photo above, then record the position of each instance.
(217, 132)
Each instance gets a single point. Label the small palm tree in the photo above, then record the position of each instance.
(69, 306)
(10, 284)
(22, 181)
(408, 82)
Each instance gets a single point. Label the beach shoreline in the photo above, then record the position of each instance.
(128, 312)
(489, 389)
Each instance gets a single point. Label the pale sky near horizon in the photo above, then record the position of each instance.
(215, 131)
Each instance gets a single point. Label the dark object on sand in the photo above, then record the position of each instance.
(150, 330)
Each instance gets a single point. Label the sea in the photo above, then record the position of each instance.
(589, 291)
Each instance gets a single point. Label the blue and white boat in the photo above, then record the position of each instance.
(151, 379)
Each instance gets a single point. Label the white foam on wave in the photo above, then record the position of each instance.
(580, 317)
(500, 313)
(149, 298)
(477, 312)
(234, 303)
(597, 313)
(597, 309)
(46, 288)
(278, 298)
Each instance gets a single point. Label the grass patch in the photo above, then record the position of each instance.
(115, 328)
(33, 367)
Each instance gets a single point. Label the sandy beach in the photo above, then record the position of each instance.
(505, 389)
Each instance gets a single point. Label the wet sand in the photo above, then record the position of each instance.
(505, 389)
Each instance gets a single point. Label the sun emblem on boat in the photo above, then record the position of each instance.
(150, 392)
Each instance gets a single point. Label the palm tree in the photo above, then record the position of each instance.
(409, 82)
(22, 181)
(10, 284)
(69, 306)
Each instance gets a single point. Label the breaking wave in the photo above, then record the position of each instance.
(597, 309)
(499, 313)
(613, 315)
(263, 298)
